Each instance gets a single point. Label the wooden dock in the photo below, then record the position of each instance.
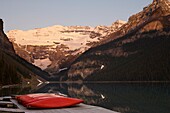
(81, 108)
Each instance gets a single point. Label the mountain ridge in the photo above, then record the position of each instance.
(141, 54)
(13, 69)
(54, 48)
(154, 10)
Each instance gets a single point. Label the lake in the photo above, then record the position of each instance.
(122, 97)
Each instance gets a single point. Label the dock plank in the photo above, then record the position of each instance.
(81, 108)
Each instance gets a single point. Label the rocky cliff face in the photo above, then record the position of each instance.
(138, 51)
(5, 44)
(55, 48)
(13, 69)
(8, 75)
(152, 17)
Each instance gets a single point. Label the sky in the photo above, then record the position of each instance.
(30, 14)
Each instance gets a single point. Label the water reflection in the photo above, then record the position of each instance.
(14, 90)
(125, 98)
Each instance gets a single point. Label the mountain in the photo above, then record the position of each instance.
(148, 17)
(54, 48)
(137, 51)
(5, 68)
(13, 69)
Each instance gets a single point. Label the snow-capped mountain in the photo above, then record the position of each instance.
(54, 48)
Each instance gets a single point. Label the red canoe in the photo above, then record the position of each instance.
(46, 101)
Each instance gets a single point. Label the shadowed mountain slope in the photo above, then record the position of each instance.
(141, 54)
(13, 69)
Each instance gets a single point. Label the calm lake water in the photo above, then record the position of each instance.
(125, 98)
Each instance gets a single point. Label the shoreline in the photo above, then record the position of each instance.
(9, 86)
(91, 82)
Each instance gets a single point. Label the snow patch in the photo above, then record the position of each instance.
(42, 63)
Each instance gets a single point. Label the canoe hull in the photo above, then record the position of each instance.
(47, 101)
